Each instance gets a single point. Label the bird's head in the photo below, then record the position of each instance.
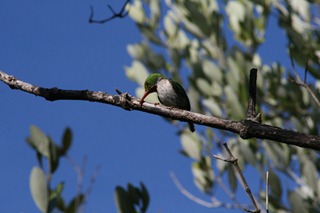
(150, 84)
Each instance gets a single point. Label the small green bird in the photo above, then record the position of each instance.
(170, 93)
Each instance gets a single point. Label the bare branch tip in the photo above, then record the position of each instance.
(121, 14)
(118, 91)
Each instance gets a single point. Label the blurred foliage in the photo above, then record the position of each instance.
(48, 198)
(132, 200)
(209, 47)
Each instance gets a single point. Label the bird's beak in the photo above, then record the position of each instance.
(151, 90)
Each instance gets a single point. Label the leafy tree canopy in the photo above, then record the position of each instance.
(209, 47)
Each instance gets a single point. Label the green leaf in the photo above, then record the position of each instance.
(198, 177)
(296, 202)
(305, 97)
(75, 203)
(235, 108)
(148, 32)
(247, 152)
(279, 154)
(60, 204)
(181, 42)
(213, 107)
(137, 72)
(298, 24)
(54, 158)
(39, 158)
(310, 174)
(55, 198)
(170, 27)
(136, 51)
(155, 61)
(203, 174)
(211, 71)
(297, 123)
(39, 189)
(57, 191)
(216, 89)
(233, 74)
(133, 193)
(204, 86)
(39, 141)
(191, 146)
(123, 202)
(302, 8)
(66, 141)
(137, 13)
(145, 198)
(275, 185)
(155, 9)
(236, 13)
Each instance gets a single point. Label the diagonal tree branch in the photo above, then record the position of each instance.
(246, 129)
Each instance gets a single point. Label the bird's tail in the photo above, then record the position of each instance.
(191, 127)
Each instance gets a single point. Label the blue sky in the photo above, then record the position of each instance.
(51, 44)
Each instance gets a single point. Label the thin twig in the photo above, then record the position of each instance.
(234, 161)
(218, 178)
(91, 184)
(303, 83)
(80, 175)
(121, 14)
(92, 180)
(79, 171)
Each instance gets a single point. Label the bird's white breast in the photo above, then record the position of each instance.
(164, 86)
(166, 94)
